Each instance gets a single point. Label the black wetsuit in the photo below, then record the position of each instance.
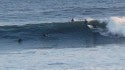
(72, 20)
(19, 40)
(85, 21)
(45, 35)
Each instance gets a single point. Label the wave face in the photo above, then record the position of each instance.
(37, 11)
(54, 35)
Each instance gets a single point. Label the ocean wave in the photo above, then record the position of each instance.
(37, 30)
(58, 35)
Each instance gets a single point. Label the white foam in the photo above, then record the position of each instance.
(116, 25)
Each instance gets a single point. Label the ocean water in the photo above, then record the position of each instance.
(19, 12)
(108, 57)
(62, 45)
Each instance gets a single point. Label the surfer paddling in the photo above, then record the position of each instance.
(45, 35)
(19, 40)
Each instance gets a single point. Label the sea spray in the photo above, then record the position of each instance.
(110, 26)
(116, 26)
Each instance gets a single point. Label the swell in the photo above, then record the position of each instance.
(39, 29)
(56, 35)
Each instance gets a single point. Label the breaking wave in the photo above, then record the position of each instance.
(58, 35)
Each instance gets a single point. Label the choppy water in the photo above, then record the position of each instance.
(37, 11)
(73, 55)
(109, 57)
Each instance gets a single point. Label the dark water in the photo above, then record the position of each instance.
(54, 35)
(37, 11)
(58, 35)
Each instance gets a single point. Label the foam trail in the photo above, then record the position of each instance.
(116, 25)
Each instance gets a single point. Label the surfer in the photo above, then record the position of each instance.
(19, 40)
(45, 35)
(72, 20)
(85, 21)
